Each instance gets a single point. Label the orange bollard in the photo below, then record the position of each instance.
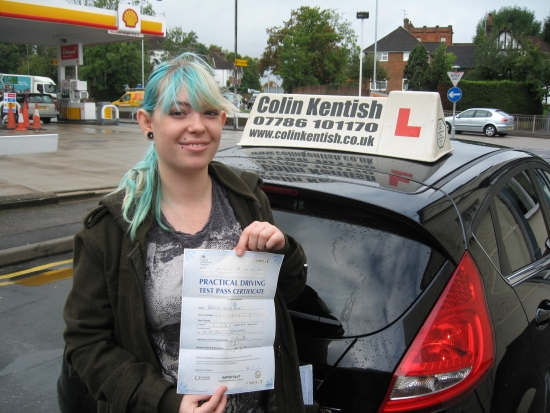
(11, 118)
(26, 122)
(36, 119)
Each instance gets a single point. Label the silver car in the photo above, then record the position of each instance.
(41, 101)
(483, 120)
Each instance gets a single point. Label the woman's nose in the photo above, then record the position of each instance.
(196, 122)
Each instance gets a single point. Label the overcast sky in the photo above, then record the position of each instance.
(214, 20)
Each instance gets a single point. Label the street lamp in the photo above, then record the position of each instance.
(361, 15)
(375, 33)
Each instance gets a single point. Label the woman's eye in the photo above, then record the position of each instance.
(211, 112)
(177, 113)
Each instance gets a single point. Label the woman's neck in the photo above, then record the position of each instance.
(187, 200)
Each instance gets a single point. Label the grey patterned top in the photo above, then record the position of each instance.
(163, 284)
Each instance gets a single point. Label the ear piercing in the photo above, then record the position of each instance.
(150, 136)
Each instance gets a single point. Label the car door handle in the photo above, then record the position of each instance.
(543, 313)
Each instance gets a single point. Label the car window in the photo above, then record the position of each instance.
(47, 99)
(521, 221)
(358, 263)
(482, 114)
(467, 114)
(35, 99)
(485, 234)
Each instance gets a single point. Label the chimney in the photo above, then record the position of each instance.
(489, 25)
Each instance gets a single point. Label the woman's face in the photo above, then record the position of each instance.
(185, 140)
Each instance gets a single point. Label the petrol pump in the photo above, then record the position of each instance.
(72, 107)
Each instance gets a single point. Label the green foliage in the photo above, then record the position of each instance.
(417, 70)
(311, 48)
(113, 5)
(352, 69)
(109, 67)
(177, 42)
(441, 64)
(12, 56)
(512, 97)
(492, 63)
(520, 21)
(546, 30)
(40, 62)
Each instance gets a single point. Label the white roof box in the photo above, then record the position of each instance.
(407, 125)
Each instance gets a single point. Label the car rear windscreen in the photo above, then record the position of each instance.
(364, 269)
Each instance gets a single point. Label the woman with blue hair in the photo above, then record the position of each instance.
(123, 312)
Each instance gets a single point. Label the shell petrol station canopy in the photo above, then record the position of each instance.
(33, 22)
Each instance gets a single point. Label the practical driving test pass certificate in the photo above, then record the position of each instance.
(227, 321)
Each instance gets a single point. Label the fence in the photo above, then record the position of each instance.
(533, 124)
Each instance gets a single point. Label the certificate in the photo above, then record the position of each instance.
(227, 321)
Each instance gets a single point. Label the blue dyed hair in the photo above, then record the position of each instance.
(192, 75)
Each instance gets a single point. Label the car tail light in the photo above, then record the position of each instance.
(453, 351)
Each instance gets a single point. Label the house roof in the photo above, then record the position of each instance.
(400, 40)
(543, 46)
(219, 62)
(464, 53)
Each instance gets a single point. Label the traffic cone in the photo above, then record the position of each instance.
(36, 119)
(21, 122)
(11, 118)
(26, 122)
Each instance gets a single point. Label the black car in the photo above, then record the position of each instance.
(428, 282)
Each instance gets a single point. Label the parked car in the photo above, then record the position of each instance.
(132, 99)
(483, 120)
(234, 98)
(428, 282)
(46, 105)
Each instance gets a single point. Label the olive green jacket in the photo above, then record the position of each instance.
(106, 333)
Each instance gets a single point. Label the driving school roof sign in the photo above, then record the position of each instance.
(408, 125)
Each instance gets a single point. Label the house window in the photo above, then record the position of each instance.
(380, 85)
(405, 84)
(443, 39)
(406, 56)
(382, 56)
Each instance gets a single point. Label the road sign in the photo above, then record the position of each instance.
(241, 62)
(454, 94)
(455, 77)
(10, 97)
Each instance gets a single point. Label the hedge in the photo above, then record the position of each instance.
(511, 97)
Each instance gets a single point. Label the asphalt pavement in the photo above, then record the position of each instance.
(88, 164)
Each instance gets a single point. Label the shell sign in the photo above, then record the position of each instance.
(129, 19)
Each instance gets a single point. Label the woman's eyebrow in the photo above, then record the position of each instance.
(182, 103)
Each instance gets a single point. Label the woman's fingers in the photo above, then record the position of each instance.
(212, 404)
(260, 236)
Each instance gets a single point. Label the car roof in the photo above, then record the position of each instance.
(361, 176)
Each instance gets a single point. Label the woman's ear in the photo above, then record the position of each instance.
(224, 118)
(144, 121)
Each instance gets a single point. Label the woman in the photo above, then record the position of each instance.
(123, 312)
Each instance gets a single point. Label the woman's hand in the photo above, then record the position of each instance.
(260, 236)
(215, 404)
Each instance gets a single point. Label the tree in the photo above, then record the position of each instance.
(311, 48)
(417, 70)
(491, 62)
(533, 67)
(177, 42)
(546, 30)
(12, 56)
(40, 62)
(520, 21)
(440, 65)
(352, 69)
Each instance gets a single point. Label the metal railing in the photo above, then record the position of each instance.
(533, 124)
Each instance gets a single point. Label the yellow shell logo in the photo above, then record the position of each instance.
(130, 17)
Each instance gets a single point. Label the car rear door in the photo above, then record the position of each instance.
(463, 122)
(480, 119)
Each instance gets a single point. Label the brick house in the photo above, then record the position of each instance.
(393, 51)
